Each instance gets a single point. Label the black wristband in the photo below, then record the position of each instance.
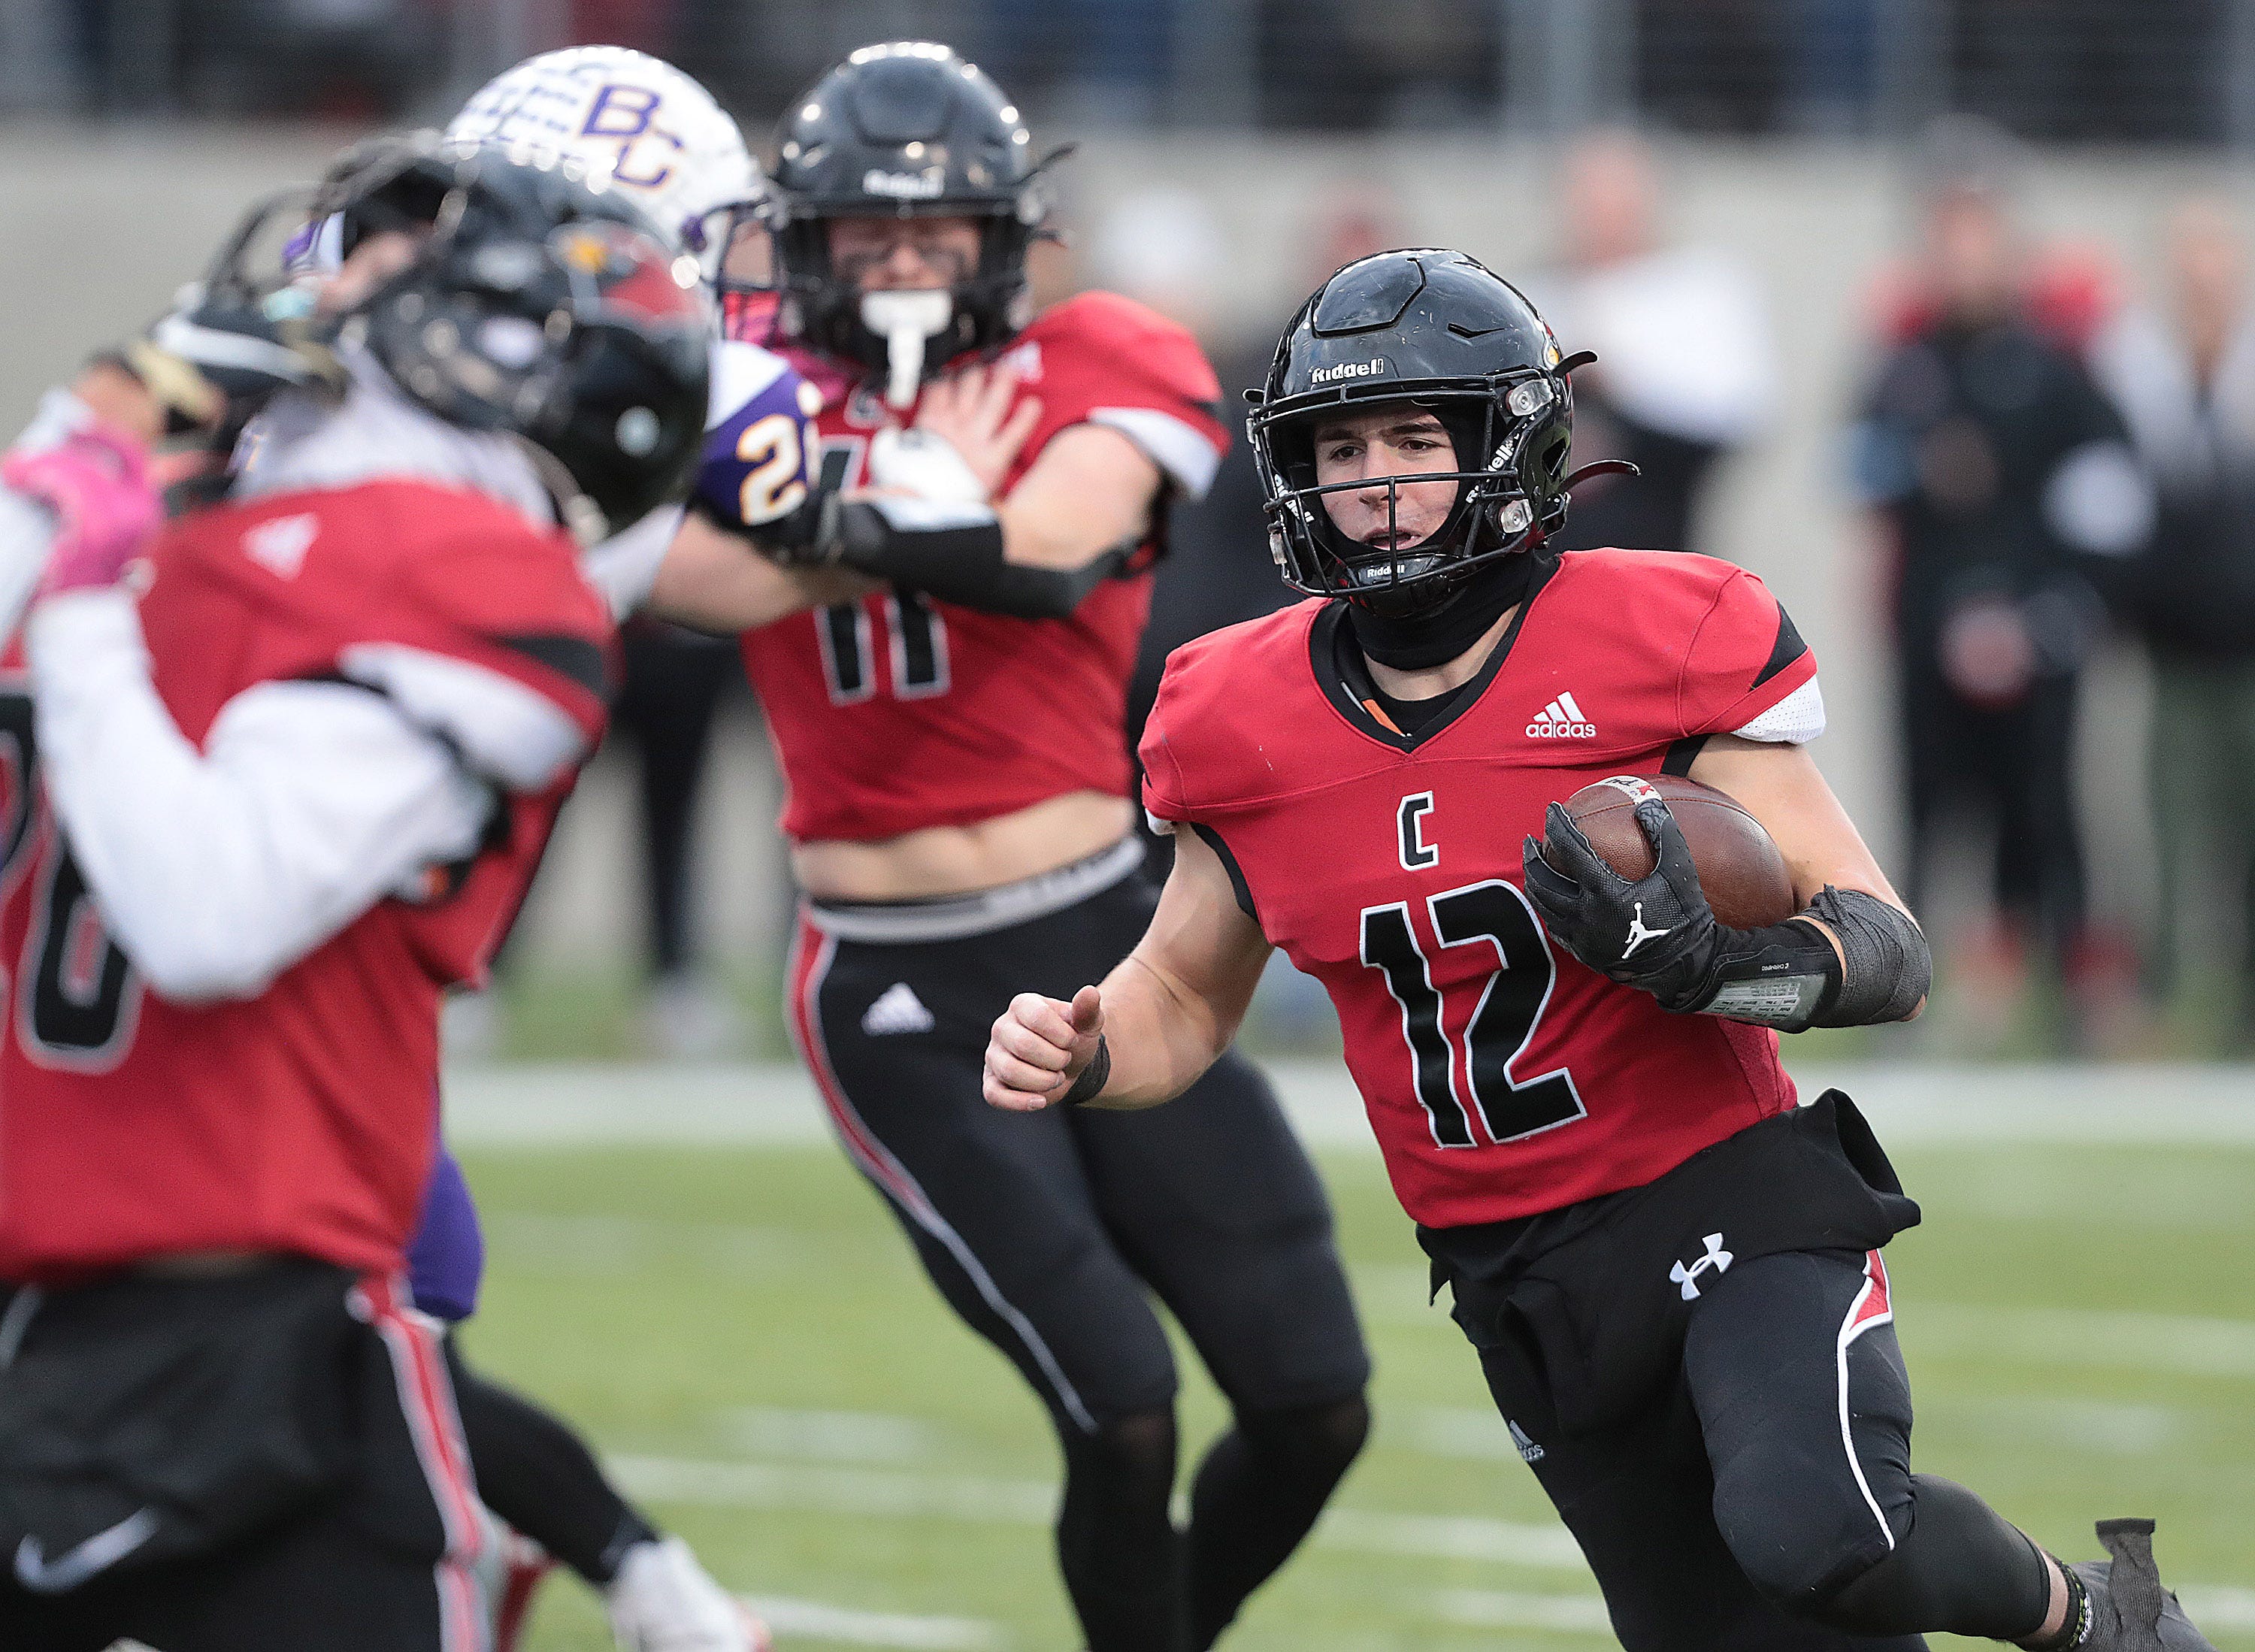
(1093, 1077)
(954, 553)
(1781, 976)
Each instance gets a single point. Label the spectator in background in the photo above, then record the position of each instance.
(2184, 376)
(676, 681)
(1995, 469)
(1686, 371)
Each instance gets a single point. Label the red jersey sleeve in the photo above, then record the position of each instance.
(1746, 670)
(1100, 359)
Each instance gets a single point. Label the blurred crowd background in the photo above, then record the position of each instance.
(1936, 313)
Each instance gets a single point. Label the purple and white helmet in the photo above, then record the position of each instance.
(659, 136)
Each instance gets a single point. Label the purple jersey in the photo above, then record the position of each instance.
(762, 455)
(446, 1259)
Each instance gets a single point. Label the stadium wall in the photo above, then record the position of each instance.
(102, 224)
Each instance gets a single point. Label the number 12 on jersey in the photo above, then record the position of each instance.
(1497, 1024)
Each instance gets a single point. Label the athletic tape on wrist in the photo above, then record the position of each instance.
(1886, 966)
(1093, 1077)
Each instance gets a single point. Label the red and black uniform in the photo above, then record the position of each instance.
(295, 1124)
(1585, 1169)
(1051, 1235)
(901, 712)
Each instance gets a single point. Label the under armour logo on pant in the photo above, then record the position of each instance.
(1716, 1258)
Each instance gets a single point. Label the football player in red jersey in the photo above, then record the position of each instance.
(1671, 1271)
(958, 808)
(278, 775)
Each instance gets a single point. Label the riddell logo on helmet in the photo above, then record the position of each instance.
(1347, 369)
(923, 186)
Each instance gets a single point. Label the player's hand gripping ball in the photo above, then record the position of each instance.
(1039, 1047)
(1636, 909)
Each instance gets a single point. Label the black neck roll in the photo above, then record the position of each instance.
(1419, 641)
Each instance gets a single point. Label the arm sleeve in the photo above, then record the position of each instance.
(624, 567)
(217, 869)
(1747, 673)
(762, 457)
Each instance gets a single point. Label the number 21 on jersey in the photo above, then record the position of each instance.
(1493, 1016)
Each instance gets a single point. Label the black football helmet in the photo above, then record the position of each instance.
(1435, 329)
(905, 130)
(543, 303)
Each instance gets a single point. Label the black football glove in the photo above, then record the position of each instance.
(1658, 934)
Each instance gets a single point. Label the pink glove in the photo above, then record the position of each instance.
(96, 482)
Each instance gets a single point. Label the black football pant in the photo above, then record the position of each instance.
(1765, 1501)
(380, 1561)
(1052, 1234)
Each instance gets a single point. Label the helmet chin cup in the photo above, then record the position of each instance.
(907, 321)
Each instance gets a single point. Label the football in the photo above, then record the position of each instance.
(1740, 867)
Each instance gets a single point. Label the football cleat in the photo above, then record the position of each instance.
(662, 1600)
(2130, 1611)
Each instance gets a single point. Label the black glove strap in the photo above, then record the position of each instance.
(1889, 966)
(1093, 1077)
(954, 553)
(1781, 976)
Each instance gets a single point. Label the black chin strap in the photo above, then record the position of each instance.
(1419, 641)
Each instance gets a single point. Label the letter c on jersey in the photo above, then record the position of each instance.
(1416, 853)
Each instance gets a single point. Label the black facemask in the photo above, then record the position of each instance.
(1434, 636)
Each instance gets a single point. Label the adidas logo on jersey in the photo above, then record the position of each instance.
(1528, 1451)
(898, 1010)
(1561, 719)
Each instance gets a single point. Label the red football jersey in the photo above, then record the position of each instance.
(1501, 1076)
(303, 1119)
(902, 711)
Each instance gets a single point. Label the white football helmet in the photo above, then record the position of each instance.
(655, 132)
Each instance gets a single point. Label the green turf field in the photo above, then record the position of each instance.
(743, 1331)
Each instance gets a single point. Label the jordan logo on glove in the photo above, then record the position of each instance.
(1638, 934)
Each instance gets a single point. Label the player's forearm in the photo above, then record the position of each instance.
(1038, 536)
(711, 581)
(1162, 1036)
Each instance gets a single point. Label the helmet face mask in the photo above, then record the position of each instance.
(903, 131)
(1433, 330)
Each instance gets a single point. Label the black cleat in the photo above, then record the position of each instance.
(2130, 1611)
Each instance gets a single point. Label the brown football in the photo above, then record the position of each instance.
(1740, 867)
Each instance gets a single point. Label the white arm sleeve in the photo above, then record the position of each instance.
(216, 871)
(624, 567)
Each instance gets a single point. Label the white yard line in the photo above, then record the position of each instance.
(813, 1621)
(880, 1492)
(1912, 1104)
(2218, 1607)
(2182, 1344)
(1498, 1609)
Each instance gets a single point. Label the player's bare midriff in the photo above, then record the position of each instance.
(962, 860)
